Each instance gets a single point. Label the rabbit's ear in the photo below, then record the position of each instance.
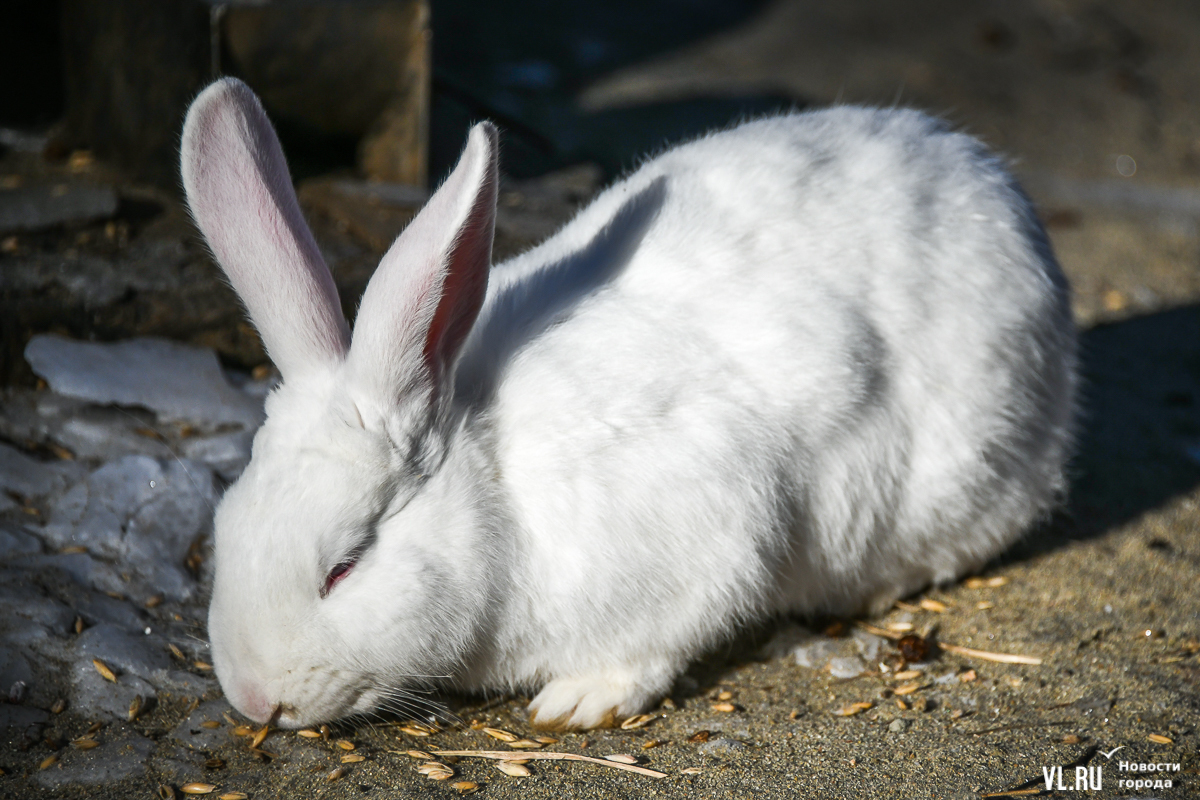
(422, 301)
(241, 196)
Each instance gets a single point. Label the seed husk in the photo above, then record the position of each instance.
(933, 605)
(308, 733)
(699, 736)
(48, 761)
(906, 675)
(78, 626)
(1158, 738)
(197, 788)
(243, 730)
(345, 744)
(418, 754)
(724, 708)
(900, 704)
(907, 688)
(353, 758)
(84, 743)
(968, 676)
(94, 728)
(725, 695)
(501, 734)
(431, 766)
(852, 709)
(260, 736)
(1071, 738)
(900, 627)
(335, 774)
(634, 722)
(104, 671)
(621, 758)
(440, 774)
(214, 763)
(690, 771)
(650, 744)
(73, 550)
(515, 770)
(203, 666)
(175, 651)
(233, 796)
(413, 731)
(465, 787)
(211, 724)
(135, 708)
(165, 792)
(525, 744)
(153, 601)
(545, 739)
(59, 706)
(984, 583)
(984, 605)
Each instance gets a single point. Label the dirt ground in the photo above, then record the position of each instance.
(1096, 104)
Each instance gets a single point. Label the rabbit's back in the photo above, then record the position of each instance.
(834, 362)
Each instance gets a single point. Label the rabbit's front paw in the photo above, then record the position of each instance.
(594, 701)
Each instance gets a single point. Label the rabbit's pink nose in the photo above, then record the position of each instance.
(253, 702)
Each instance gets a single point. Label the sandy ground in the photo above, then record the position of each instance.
(1096, 104)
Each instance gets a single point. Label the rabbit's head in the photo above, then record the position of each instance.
(350, 554)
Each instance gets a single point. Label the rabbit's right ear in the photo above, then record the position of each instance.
(241, 196)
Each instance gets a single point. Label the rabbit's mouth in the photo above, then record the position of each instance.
(286, 716)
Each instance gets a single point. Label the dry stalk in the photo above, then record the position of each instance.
(504, 756)
(983, 655)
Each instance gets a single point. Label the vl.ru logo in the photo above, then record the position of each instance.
(1087, 779)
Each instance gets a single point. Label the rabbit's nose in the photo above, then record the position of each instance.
(252, 701)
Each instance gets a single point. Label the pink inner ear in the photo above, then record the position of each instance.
(464, 288)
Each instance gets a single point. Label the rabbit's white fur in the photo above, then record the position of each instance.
(812, 363)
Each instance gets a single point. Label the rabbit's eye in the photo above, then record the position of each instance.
(336, 574)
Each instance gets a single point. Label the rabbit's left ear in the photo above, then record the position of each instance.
(423, 299)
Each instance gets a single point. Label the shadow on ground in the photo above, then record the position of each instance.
(1139, 443)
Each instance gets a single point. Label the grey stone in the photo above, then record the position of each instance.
(125, 652)
(16, 542)
(29, 208)
(142, 667)
(140, 513)
(94, 697)
(21, 600)
(850, 667)
(14, 717)
(26, 476)
(722, 747)
(898, 725)
(83, 569)
(226, 454)
(176, 381)
(815, 654)
(184, 683)
(785, 640)
(868, 645)
(13, 668)
(99, 608)
(191, 734)
(93, 434)
(114, 760)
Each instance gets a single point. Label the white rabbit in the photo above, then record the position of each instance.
(810, 364)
